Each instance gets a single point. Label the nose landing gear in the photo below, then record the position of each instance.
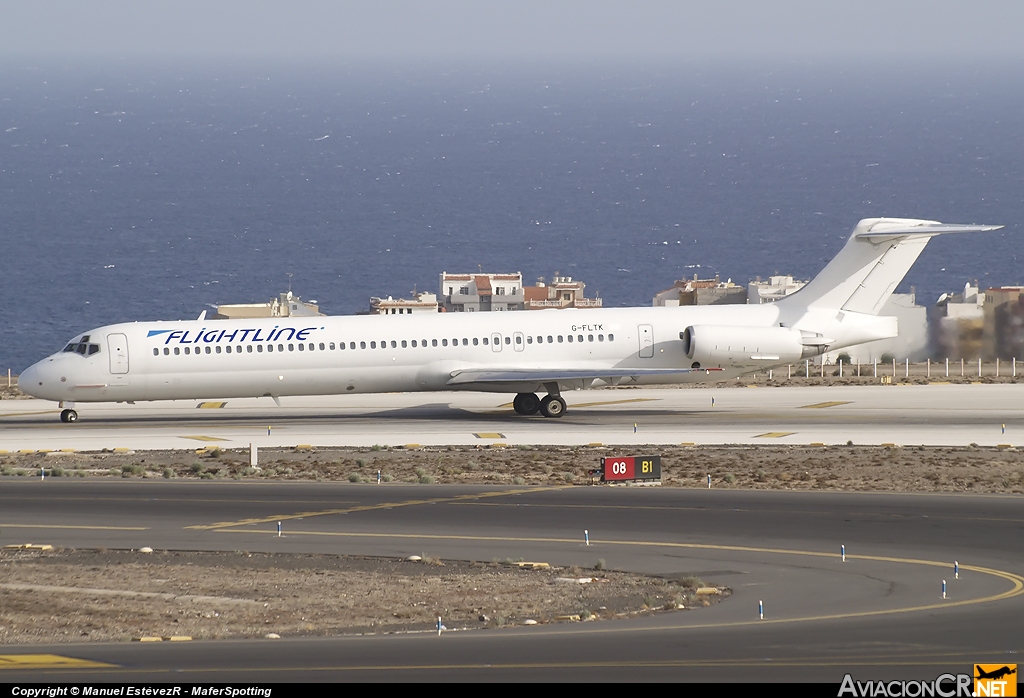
(68, 416)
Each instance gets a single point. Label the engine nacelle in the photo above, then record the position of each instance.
(724, 345)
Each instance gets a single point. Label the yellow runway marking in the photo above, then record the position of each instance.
(615, 402)
(774, 434)
(205, 438)
(822, 405)
(27, 414)
(48, 661)
(367, 507)
(489, 435)
(76, 528)
(1016, 589)
(210, 405)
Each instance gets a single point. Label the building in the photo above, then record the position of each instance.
(957, 322)
(473, 293)
(422, 303)
(562, 292)
(1002, 335)
(773, 289)
(285, 305)
(701, 292)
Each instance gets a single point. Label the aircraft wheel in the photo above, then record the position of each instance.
(526, 404)
(552, 406)
(68, 416)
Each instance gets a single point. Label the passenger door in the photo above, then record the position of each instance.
(646, 334)
(117, 345)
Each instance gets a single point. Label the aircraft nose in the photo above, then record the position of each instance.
(40, 381)
(29, 379)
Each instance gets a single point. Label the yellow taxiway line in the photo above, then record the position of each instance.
(367, 507)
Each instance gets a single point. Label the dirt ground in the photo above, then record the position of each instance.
(12, 392)
(99, 595)
(857, 468)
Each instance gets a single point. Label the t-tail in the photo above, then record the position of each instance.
(874, 261)
(840, 306)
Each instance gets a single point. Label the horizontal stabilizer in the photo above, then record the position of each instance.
(885, 233)
(877, 256)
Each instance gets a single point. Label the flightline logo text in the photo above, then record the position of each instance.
(239, 335)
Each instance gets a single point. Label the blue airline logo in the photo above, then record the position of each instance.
(243, 335)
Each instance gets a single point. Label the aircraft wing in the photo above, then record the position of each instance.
(553, 375)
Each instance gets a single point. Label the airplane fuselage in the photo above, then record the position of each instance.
(376, 353)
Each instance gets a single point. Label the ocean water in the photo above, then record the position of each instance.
(134, 191)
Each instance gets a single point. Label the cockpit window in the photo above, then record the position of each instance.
(82, 347)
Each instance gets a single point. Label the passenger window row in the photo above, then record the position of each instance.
(373, 344)
(227, 349)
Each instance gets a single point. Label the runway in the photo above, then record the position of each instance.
(935, 414)
(879, 615)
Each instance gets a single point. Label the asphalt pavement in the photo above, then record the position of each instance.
(878, 615)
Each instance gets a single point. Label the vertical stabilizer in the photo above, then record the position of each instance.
(874, 260)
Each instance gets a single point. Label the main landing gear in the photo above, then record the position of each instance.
(528, 403)
(68, 416)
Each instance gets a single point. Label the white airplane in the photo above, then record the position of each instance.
(523, 353)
